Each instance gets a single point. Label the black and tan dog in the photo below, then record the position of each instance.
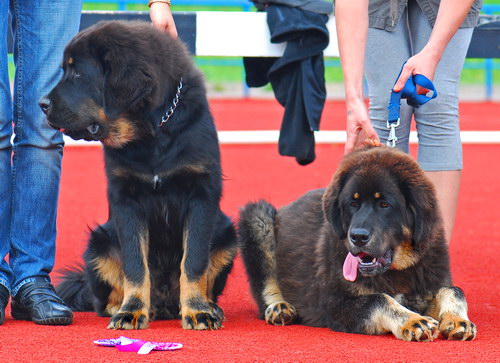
(167, 248)
(367, 255)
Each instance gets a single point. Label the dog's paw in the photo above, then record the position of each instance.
(280, 313)
(217, 311)
(129, 320)
(453, 327)
(210, 318)
(420, 329)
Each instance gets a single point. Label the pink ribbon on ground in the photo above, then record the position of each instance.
(124, 344)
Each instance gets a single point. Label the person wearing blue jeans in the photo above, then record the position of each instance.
(30, 161)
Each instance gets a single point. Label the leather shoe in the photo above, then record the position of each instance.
(37, 301)
(4, 299)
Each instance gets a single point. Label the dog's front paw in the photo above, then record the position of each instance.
(420, 329)
(209, 318)
(217, 311)
(453, 327)
(280, 313)
(129, 320)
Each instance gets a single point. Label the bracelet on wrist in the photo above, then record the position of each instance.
(151, 2)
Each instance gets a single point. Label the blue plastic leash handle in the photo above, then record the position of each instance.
(409, 92)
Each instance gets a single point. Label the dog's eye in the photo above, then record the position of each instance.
(383, 204)
(353, 204)
(93, 128)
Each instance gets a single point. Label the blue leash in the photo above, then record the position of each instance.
(409, 92)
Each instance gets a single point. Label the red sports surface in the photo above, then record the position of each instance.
(253, 172)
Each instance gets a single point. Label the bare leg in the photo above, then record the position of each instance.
(447, 184)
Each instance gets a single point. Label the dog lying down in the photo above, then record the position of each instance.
(365, 255)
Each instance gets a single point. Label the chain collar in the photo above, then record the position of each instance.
(172, 108)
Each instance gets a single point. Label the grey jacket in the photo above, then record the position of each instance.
(385, 14)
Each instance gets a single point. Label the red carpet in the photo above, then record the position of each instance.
(257, 171)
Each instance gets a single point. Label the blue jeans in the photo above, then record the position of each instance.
(30, 163)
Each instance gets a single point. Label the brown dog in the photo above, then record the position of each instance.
(367, 255)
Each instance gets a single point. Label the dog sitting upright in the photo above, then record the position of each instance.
(167, 248)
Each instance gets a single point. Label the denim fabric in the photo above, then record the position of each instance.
(30, 163)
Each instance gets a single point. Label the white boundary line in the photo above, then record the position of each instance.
(322, 137)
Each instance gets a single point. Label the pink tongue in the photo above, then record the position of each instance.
(350, 267)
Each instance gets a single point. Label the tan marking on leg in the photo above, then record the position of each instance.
(218, 261)
(195, 305)
(447, 302)
(451, 311)
(272, 292)
(115, 300)
(125, 317)
(190, 289)
(109, 269)
(193, 289)
(402, 322)
(196, 311)
(278, 311)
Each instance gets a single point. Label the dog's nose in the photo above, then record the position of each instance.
(45, 104)
(359, 236)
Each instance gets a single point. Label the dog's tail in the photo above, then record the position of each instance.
(74, 289)
(258, 249)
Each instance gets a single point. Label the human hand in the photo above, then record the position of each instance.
(359, 129)
(162, 18)
(421, 63)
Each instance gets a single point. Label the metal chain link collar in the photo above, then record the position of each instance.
(172, 108)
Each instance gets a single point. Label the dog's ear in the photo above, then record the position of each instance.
(141, 65)
(331, 205)
(127, 83)
(422, 207)
(130, 79)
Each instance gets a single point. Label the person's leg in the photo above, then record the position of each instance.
(447, 185)
(5, 166)
(439, 146)
(42, 29)
(385, 54)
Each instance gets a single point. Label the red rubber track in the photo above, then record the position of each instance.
(253, 172)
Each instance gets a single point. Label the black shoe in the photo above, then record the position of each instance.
(37, 301)
(4, 299)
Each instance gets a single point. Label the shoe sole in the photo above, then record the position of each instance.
(23, 314)
(54, 321)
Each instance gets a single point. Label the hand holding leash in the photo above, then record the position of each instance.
(413, 98)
